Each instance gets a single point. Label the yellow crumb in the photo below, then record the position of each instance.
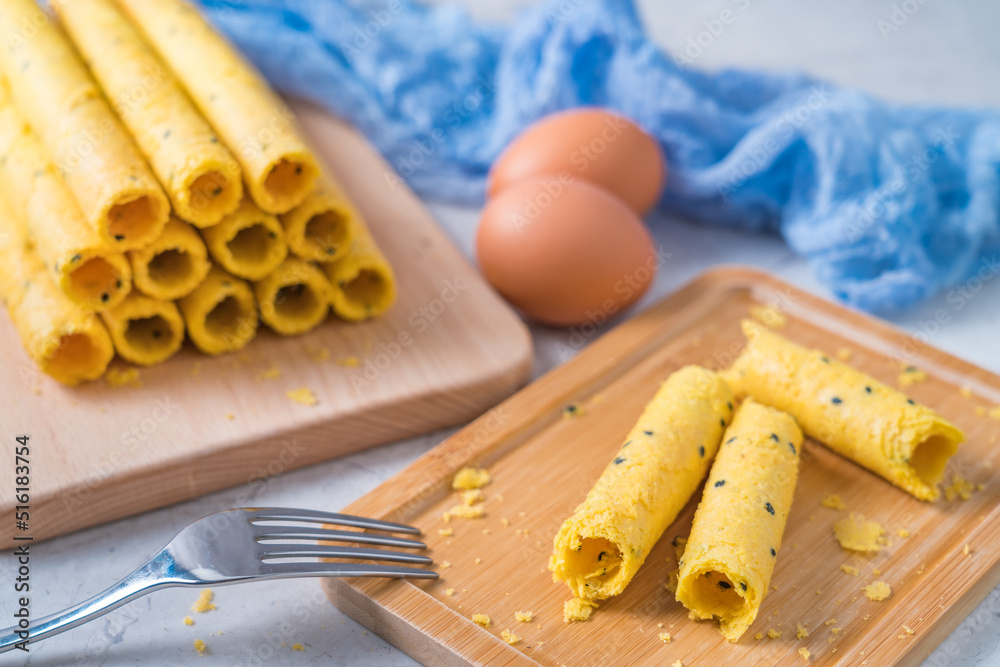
(349, 362)
(677, 663)
(320, 355)
(980, 411)
(959, 488)
(673, 578)
(445, 564)
(773, 634)
(908, 630)
(877, 591)
(859, 534)
(994, 413)
(769, 316)
(446, 517)
(829, 621)
(965, 550)
(800, 631)
(665, 637)
(467, 511)
(487, 531)
(188, 620)
(876, 572)
(680, 543)
(482, 619)
(524, 616)
(470, 478)
(833, 502)
(505, 522)
(902, 532)
(298, 647)
(195, 368)
(965, 391)
(230, 416)
(759, 635)
(122, 377)
(272, 373)
(577, 609)
(446, 532)
(302, 395)
(200, 646)
(478, 561)
(449, 591)
(204, 602)
(509, 637)
(910, 376)
(573, 410)
(835, 631)
(804, 652)
(473, 496)
(845, 354)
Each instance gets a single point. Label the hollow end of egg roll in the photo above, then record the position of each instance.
(220, 314)
(209, 193)
(145, 331)
(248, 243)
(928, 454)
(134, 218)
(78, 356)
(95, 278)
(173, 265)
(363, 283)
(286, 182)
(320, 229)
(295, 298)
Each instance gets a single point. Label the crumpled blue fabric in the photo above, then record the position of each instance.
(889, 203)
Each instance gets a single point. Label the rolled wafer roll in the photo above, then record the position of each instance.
(599, 549)
(295, 298)
(848, 411)
(87, 271)
(114, 187)
(247, 243)
(65, 340)
(363, 282)
(220, 314)
(199, 174)
(172, 265)
(145, 331)
(278, 167)
(729, 557)
(321, 228)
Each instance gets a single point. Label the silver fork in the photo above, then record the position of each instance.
(238, 545)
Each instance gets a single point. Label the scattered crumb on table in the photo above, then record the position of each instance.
(664, 637)
(303, 395)
(204, 602)
(482, 619)
(773, 634)
(298, 647)
(859, 534)
(188, 620)
(524, 616)
(200, 646)
(467, 479)
(577, 609)
(833, 502)
(800, 631)
(122, 377)
(804, 652)
(877, 591)
(509, 637)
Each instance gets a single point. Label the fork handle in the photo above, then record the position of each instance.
(148, 578)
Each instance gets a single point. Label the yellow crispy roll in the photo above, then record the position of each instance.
(248, 243)
(851, 413)
(145, 331)
(363, 282)
(598, 550)
(66, 341)
(295, 298)
(278, 167)
(199, 174)
(172, 265)
(81, 265)
(322, 227)
(220, 314)
(729, 557)
(116, 191)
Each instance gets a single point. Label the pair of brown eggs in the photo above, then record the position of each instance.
(561, 236)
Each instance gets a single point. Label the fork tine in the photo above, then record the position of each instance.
(334, 551)
(344, 570)
(296, 533)
(313, 516)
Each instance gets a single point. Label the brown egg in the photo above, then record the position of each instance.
(594, 144)
(564, 251)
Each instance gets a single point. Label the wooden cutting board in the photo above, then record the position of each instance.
(448, 350)
(543, 464)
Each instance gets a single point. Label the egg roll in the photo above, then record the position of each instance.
(295, 298)
(248, 243)
(220, 314)
(145, 331)
(260, 129)
(172, 265)
(89, 273)
(665, 456)
(321, 228)
(363, 282)
(199, 174)
(730, 554)
(117, 192)
(65, 340)
(853, 414)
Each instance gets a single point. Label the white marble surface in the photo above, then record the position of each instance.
(947, 52)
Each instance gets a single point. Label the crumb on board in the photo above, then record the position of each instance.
(445, 564)
(473, 496)
(482, 619)
(959, 488)
(505, 522)
(673, 578)
(524, 616)
(835, 631)
(446, 517)
(446, 532)
(965, 391)
(478, 561)
(349, 362)
(272, 373)
(804, 652)
(845, 353)
(908, 630)
(509, 637)
(909, 376)
(467, 511)
(833, 502)
(467, 479)
(122, 377)
(573, 410)
(298, 647)
(859, 534)
(966, 550)
(677, 663)
(665, 637)
(853, 571)
(230, 416)
(303, 395)
(204, 602)
(200, 646)
(321, 354)
(773, 634)
(188, 620)
(577, 609)
(768, 316)
(829, 621)
(759, 635)
(994, 412)
(800, 631)
(449, 592)
(877, 591)
(195, 369)
(902, 532)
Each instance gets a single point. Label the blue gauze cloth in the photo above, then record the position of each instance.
(889, 203)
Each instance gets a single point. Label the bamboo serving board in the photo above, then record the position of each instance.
(446, 351)
(543, 464)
